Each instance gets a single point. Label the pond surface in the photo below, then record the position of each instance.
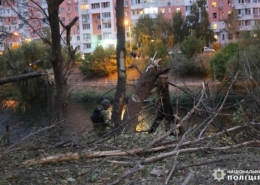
(35, 117)
(78, 121)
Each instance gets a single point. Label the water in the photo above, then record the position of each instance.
(78, 121)
(35, 117)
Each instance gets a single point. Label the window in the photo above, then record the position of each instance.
(85, 17)
(87, 46)
(95, 6)
(105, 5)
(99, 27)
(86, 26)
(62, 10)
(214, 4)
(178, 9)
(63, 19)
(214, 15)
(162, 10)
(248, 11)
(84, 7)
(216, 37)
(151, 10)
(169, 10)
(247, 22)
(106, 25)
(126, 13)
(215, 26)
(107, 35)
(126, 3)
(86, 36)
(223, 36)
(229, 13)
(230, 36)
(255, 35)
(78, 37)
(106, 15)
(140, 11)
(76, 9)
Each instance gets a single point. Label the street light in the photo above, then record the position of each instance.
(130, 34)
(16, 37)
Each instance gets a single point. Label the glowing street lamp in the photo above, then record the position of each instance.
(130, 34)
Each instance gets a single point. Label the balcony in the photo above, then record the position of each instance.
(107, 20)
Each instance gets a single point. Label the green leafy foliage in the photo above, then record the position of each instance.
(100, 63)
(179, 28)
(25, 59)
(192, 46)
(218, 63)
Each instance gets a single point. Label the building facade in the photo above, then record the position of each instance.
(97, 19)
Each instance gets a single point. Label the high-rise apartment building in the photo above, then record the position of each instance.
(97, 19)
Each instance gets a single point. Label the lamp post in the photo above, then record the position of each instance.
(130, 34)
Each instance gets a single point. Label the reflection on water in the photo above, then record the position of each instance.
(35, 117)
(78, 118)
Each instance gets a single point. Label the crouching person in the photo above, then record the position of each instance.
(101, 118)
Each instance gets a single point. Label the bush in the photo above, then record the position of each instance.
(218, 63)
(100, 63)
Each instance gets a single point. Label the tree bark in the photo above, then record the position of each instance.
(164, 107)
(36, 74)
(86, 155)
(143, 88)
(60, 84)
(121, 68)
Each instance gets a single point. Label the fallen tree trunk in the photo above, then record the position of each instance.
(82, 155)
(164, 107)
(143, 88)
(26, 76)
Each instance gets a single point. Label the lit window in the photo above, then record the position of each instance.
(215, 26)
(84, 7)
(214, 4)
(162, 10)
(255, 35)
(178, 9)
(216, 37)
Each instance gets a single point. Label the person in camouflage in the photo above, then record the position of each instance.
(101, 128)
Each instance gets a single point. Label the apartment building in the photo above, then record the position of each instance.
(97, 19)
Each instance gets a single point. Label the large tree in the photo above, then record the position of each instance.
(121, 64)
(57, 93)
(179, 27)
(198, 22)
(232, 26)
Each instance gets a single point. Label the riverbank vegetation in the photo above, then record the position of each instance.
(199, 132)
